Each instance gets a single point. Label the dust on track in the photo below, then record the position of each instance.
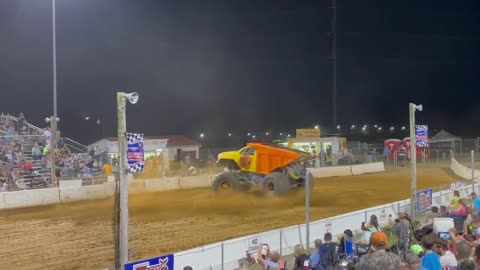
(79, 235)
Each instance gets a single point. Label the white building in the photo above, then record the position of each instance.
(169, 148)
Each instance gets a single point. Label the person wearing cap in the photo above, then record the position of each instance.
(417, 250)
(379, 259)
(431, 261)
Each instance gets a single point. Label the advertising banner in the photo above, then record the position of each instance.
(135, 155)
(159, 263)
(422, 135)
(424, 200)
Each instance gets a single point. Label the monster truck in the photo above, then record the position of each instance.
(276, 169)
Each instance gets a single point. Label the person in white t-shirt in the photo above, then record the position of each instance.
(447, 258)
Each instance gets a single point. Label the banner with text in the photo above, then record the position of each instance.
(135, 155)
(159, 263)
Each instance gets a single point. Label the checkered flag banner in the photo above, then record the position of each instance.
(422, 135)
(134, 137)
(135, 154)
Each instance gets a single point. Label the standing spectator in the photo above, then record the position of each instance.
(463, 252)
(107, 169)
(476, 202)
(346, 242)
(9, 134)
(300, 255)
(402, 231)
(443, 211)
(315, 258)
(373, 225)
(271, 260)
(412, 262)
(379, 259)
(187, 268)
(447, 258)
(455, 199)
(327, 253)
(431, 261)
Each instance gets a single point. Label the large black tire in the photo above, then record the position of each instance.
(276, 183)
(227, 182)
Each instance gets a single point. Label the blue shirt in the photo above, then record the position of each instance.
(477, 203)
(315, 258)
(431, 261)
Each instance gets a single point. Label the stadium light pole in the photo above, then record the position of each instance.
(307, 208)
(413, 158)
(122, 150)
(54, 119)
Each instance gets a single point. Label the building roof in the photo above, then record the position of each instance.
(172, 141)
(444, 136)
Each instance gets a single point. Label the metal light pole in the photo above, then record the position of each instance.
(473, 170)
(122, 150)
(54, 119)
(307, 209)
(53, 144)
(413, 158)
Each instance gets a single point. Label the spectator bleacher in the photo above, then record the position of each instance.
(25, 159)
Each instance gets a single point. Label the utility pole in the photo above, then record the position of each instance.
(334, 61)
(413, 159)
(54, 118)
(122, 150)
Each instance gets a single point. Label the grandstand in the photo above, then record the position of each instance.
(23, 167)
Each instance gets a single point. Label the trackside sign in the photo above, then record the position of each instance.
(159, 263)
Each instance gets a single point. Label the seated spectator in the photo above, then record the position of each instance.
(443, 211)
(364, 243)
(36, 152)
(379, 259)
(25, 166)
(431, 260)
(427, 228)
(345, 242)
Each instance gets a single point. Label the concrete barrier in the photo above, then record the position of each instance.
(136, 186)
(462, 171)
(162, 184)
(78, 194)
(194, 182)
(27, 198)
(70, 183)
(368, 168)
(331, 171)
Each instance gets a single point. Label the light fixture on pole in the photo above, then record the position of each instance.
(122, 150)
(53, 144)
(413, 158)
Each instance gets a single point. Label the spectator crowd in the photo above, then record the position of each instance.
(25, 156)
(402, 244)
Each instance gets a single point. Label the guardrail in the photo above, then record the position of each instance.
(226, 255)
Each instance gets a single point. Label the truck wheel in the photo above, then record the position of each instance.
(226, 182)
(276, 184)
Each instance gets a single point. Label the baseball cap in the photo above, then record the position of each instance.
(379, 239)
(416, 249)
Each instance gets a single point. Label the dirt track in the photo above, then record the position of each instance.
(79, 235)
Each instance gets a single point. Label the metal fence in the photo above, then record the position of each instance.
(231, 254)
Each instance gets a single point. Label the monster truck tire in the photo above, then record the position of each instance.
(227, 182)
(276, 184)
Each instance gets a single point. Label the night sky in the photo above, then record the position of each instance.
(240, 66)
